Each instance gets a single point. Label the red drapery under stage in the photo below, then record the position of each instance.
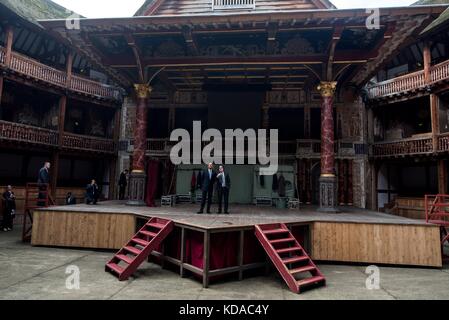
(152, 182)
(223, 248)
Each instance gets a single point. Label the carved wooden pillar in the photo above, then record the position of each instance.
(137, 176)
(350, 186)
(9, 40)
(328, 196)
(427, 58)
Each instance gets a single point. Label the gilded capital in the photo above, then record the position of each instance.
(327, 89)
(142, 90)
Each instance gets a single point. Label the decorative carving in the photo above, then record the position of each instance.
(298, 46)
(169, 48)
(327, 89)
(142, 90)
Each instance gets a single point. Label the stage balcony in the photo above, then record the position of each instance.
(410, 83)
(16, 134)
(30, 68)
(303, 148)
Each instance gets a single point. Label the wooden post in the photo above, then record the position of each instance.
(241, 253)
(69, 67)
(61, 118)
(206, 259)
(9, 40)
(427, 58)
(434, 120)
(54, 174)
(442, 176)
(183, 252)
(112, 178)
(1, 93)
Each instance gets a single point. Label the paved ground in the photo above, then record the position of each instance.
(40, 273)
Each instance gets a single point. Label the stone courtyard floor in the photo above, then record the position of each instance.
(40, 273)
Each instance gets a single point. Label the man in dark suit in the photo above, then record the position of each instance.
(43, 181)
(92, 193)
(223, 186)
(9, 209)
(122, 184)
(209, 176)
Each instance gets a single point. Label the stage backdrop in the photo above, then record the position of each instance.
(235, 109)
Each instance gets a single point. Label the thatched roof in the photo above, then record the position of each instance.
(439, 22)
(33, 10)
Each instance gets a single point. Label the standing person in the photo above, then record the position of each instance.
(224, 186)
(9, 210)
(92, 193)
(122, 184)
(207, 187)
(43, 181)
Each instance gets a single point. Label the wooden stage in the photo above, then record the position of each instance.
(354, 236)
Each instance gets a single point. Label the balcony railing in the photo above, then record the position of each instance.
(413, 146)
(32, 68)
(23, 133)
(86, 143)
(409, 82)
(233, 4)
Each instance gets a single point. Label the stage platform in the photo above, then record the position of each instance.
(354, 235)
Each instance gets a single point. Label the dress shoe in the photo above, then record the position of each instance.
(219, 212)
(227, 212)
(199, 212)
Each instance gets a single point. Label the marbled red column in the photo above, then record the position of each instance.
(140, 129)
(327, 137)
(328, 180)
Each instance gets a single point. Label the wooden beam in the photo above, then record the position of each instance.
(69, 68)
(336, 36)
(442, 176)
(206, 259)
(54, 174)
(1, 93)
(137, 55)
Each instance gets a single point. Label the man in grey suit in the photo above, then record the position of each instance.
(223, 186)
(209, 177)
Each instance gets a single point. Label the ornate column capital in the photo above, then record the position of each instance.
(143, 90)
(327, 89)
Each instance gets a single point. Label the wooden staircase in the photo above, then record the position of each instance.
(137, 250)
(37, 195)
(290, 259)
(437, 212)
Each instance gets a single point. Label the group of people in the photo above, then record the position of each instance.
(223, 181)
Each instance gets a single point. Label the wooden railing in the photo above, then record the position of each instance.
(409, 82)
(233, 4)
(19, 132)
(87, 143)
(32, 68)
(403, 147)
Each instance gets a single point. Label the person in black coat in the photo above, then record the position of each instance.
(223, 186)
(43, 180)
(207, 187)
(70, 200)
(9, 209)
(92, 193)
(122, 184)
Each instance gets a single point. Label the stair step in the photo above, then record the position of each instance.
(124, 258)
(116, 268)
(275, 231)
(156, 225)
(310, 281)
(302, 269)
(286, 240)
(292, 249)
(132, 250)
(295, 259)
(148, 233)
(140, 242)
